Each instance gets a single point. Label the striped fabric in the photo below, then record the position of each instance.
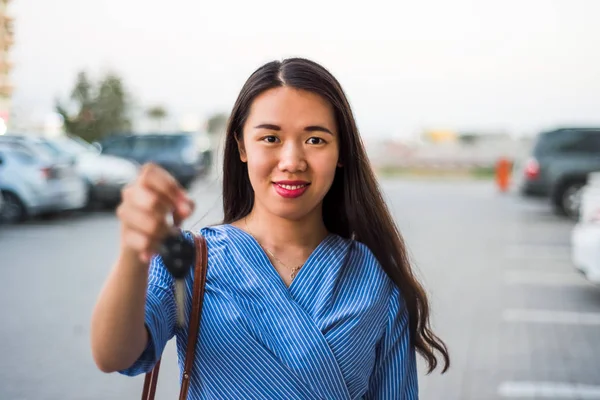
(340, 331)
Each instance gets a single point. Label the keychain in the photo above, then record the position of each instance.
(178, 255)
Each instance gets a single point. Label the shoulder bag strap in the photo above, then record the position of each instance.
(193, 328)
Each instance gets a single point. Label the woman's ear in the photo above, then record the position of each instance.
(241, 148)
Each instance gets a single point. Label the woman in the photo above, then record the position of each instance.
(309, 291)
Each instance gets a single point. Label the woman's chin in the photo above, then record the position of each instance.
(292, 212)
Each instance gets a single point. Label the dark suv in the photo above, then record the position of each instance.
(186, 156)
(558, 167)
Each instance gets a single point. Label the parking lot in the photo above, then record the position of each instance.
(519, 321)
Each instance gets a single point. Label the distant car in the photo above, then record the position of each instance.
(106, 175)
(558, 167)
(186, 156)
(585, 238)
(32, 182)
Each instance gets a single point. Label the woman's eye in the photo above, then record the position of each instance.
(270, 139)
(315, 140)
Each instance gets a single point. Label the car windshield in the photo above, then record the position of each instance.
(69, 146)
(43, 152)
(31, 153)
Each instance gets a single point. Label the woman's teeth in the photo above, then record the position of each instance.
(291, 187)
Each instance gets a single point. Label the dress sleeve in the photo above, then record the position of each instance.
(395, 372)
(160, 317)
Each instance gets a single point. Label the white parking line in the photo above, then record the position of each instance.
(548, 390)
(551, 317)
(540, 278)
(537, 252)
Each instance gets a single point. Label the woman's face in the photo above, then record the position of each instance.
(290, 143)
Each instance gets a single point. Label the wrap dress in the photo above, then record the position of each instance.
(338, 332)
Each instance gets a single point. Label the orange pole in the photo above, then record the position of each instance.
(503, 174)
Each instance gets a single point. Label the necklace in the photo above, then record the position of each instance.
(294, 270)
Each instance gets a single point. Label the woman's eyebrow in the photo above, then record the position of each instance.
(270, 127)
(311, 128)
(317, 128)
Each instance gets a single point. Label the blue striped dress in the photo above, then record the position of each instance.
(339, 331)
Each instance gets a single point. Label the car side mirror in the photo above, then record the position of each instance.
(97, 146)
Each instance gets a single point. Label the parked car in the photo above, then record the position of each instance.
(184, 155)
(105, 174)
(32, 182)
(558, 166)
(585, 238)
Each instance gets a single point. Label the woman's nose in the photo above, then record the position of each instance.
(292, 158)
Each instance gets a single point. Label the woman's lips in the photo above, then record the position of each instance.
(291, 189)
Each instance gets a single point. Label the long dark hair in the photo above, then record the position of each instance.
(354, 184)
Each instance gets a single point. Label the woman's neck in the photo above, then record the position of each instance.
(277, 233)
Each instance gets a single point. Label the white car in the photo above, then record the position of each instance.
(32, 183)
(106, 175)
(585, 238)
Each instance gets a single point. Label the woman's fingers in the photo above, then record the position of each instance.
(144, 208)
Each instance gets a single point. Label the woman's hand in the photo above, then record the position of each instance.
(144, 208)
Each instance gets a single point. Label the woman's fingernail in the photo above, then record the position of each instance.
(186, 209)
(184, 196)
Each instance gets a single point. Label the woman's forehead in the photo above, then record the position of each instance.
(288, 105)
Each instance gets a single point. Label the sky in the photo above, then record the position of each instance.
(517, 66)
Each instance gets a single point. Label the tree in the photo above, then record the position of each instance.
(468, 138)
(157, 113)
(216, 123)
(98, 110)
(80, 94)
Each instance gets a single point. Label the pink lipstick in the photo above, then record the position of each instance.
(291, 189)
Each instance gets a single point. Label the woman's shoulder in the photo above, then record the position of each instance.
(370, 266)
(222, 235)
(214, 231)
(213, 234)
(363, 261)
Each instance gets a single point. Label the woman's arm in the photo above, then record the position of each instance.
(395, 373)
(131, 300)
(118, 333)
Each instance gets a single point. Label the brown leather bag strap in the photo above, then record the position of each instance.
(193, 329)
(150, 382)
(196, 315)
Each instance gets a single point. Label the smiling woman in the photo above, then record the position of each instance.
(290, 146)
(309, 292)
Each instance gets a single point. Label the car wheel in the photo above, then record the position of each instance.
(90, 200)
(13, 210)
(570, 199)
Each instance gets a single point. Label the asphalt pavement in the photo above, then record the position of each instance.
(519, 321)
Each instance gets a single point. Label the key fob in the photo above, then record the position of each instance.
(178, 255)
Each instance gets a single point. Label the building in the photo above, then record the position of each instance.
(6, 42)
(439, 136)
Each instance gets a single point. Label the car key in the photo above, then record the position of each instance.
(178, 256)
